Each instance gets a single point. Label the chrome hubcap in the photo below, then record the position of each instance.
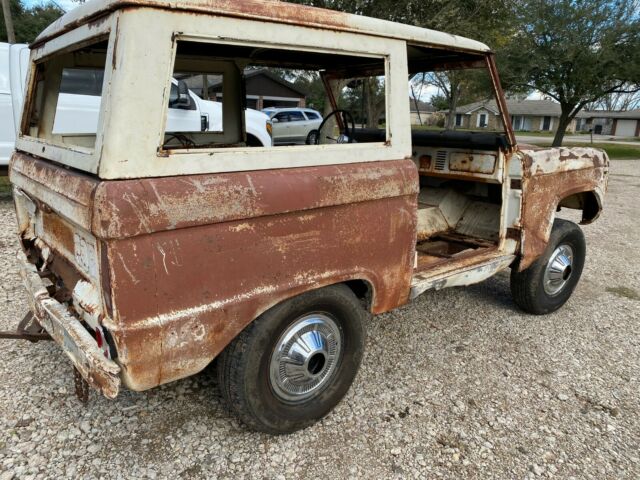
(305, 357)
(559, 270)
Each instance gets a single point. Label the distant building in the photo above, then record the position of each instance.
(606, 122)
(526, 116)
(263, 88)
(421, 112)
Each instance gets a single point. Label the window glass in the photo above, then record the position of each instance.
(272, 79)
(295, 116)
(82, 81)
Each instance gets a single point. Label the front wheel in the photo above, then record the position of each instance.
(293, 364)
(548, 283)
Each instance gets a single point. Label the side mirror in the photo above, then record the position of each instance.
(275, 120)
(184, 99)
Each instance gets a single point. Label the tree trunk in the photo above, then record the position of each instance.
(563, 123)
(453, 106)
(6, 11)
(336, 89)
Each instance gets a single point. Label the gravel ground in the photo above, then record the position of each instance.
(458, 384)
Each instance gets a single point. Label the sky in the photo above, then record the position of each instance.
(64, 4)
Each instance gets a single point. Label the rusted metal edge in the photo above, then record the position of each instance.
(459, 278)
(502, 104)
(308, 16)
(27, 329)
(77, 343)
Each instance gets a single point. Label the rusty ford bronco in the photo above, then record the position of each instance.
(150, 250)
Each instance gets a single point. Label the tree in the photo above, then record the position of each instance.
(29, 22)
(8, 21)
(575, 51)
(627, 99)
(490, 21)
(439, 102)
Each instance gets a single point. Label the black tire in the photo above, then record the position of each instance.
(311, 137)
(528, 287)
(244, 366)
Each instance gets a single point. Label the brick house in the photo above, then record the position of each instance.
(526, 116)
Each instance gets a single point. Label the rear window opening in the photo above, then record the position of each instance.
(314, 97)
(67, 95)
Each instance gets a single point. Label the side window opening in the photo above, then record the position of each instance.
(341, 94)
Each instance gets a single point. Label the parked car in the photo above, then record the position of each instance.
(147, 255)
(79, 105)
(294, 125)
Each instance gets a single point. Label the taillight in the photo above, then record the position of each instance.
(269, 128)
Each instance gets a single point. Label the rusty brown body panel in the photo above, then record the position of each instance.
(193, 290)
(551, 175)
(228, 247)
(192, 260)
(134, 207)
(71, 191)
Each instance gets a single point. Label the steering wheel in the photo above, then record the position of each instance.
(344, 133)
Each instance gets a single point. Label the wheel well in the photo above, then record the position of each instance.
(253, 141)
(588, 202)
(363, 290)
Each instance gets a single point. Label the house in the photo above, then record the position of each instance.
(606, 122)
(263, 89)
(526, 116)
(421, 112)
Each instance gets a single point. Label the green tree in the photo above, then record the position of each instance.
(575, 51)
(439, 102)
(29, 22)
(490, 21)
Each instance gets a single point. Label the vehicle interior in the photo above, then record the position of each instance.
(460, 159)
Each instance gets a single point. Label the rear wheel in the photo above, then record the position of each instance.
(549, 282)
(293, 364)
(312, 138)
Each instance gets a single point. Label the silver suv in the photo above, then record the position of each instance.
(294, 125)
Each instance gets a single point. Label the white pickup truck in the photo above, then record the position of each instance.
(79, 105)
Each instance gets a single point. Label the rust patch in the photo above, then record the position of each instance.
(133, 207)
(58, 232)
(551, 175)
(542, 194)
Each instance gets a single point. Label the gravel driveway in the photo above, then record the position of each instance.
(458, 384)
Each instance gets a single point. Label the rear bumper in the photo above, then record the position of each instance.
(100, 372)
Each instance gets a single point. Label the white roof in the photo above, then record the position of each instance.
(273, 11)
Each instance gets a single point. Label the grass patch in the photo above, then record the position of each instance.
(5, 187)
(534, 134)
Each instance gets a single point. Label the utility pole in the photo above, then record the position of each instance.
(6, 11)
